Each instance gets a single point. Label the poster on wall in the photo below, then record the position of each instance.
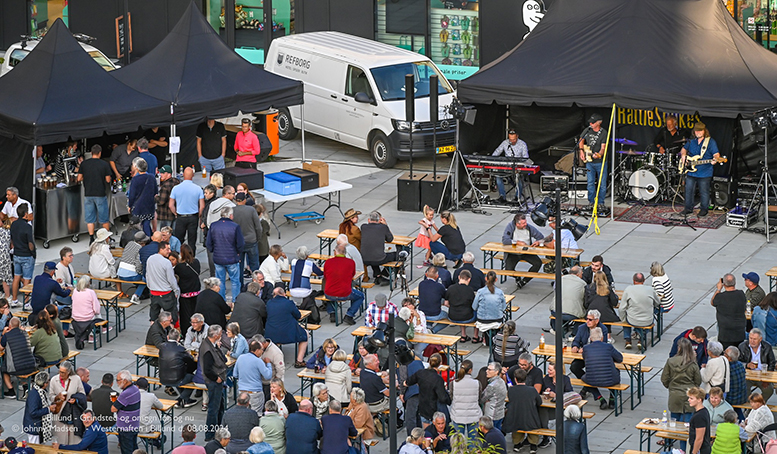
(455, 31)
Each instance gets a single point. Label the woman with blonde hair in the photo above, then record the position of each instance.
(338, 377)
(416, 443)
(323, 356)
(465, 407)
(599, 296)
(259, 446)
(451, 243)
(285, 401)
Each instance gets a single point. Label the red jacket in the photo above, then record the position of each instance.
(338, 276)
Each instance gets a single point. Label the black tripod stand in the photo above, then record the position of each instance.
(673, 222)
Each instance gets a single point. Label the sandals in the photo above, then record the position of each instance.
(477, 340)
(299, 364)
(464, 339)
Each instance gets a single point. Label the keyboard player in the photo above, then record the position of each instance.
(512, 147)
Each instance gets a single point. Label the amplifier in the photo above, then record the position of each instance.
(549, 183)
(723, 192)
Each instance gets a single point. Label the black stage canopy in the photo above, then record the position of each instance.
(200, 76)
(681, 56)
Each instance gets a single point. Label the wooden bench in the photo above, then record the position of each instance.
(617, 392)
(97, 331)
(773, 408)
(112, 280)
(517, 274)
(71, 356)
(642, 337)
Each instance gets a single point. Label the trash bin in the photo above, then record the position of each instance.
(267, 122)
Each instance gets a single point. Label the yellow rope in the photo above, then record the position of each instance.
(595, 213)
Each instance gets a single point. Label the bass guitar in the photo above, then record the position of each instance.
(690, 163)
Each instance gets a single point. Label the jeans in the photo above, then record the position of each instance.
(627, 333)
(596, 172)
(146, 225)
(212, 164)
(160, 224)
(682, 417)
(356, 297)
(565, 318)
(96, 208)
(411, 414)
(511, 260)
(500, 186)
(215, 408)
(128, 442)
(23, 266)
(185, 393)
(233, 269)
(468, 430)
(135, 278)
(438, 247)
(166, 302)
(251, 252)
(690, 193)
(186, 224)
(437, 327)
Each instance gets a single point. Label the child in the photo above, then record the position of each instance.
(425, 234)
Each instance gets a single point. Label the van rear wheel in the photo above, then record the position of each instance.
(382, 154)
(286, 129)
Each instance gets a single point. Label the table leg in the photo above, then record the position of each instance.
(411, 262)
(772, 281)
(540, 360)
(272, 219)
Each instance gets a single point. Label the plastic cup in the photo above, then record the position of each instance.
(673, 423)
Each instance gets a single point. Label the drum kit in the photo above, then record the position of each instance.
(647, 176)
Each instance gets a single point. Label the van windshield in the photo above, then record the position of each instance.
(391, 80)
(17, 55)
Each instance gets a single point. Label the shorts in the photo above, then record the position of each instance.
(23, 266)
(96, 208)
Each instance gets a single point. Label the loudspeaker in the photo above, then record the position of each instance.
(432, 191)
(409, 98)
(433, 99)
(409, 192)
(723, 192)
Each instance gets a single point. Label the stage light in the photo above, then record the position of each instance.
(541, 212)
(403, 353)
(577, 230)
(773, 116)
(760, 121)
(378, 338)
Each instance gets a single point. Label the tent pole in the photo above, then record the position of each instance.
(173, 157)
(302, 118)
(34, 185)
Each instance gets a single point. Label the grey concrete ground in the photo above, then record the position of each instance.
(694, 260)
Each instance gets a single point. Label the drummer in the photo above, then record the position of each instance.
(512, 147)
(671, 137)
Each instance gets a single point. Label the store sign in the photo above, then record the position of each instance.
(293, 63)
(453, 72)
(654, 118)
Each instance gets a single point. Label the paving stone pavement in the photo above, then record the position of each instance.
(694, 260)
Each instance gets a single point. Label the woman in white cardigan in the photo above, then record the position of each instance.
(101, 261)
(69, 382)
(338, 377)
(760, 416)
(465, 407)
(716, 372)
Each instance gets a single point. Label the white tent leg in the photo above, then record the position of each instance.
(302, 119)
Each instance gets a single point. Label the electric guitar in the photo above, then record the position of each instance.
(589, 154)
(690, 163)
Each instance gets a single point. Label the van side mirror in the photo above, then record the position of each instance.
(363, 98)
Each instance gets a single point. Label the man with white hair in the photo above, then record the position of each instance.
(582, 338)
(478, 279)
(339, 272)
(351, 252)
(214, 369)
(375, 390)
(246, 217)
(127, 409)
(637, 306)
(274, 264)
(225, 242)
(757, 355)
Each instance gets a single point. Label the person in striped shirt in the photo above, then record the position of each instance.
(663, 286)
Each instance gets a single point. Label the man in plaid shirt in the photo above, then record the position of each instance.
(737, 393)
(167, 182)
(378, 311)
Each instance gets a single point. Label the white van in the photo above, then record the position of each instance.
(355, 94)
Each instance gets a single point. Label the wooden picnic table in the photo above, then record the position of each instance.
(772, 273)
(109, 300)
(449, 343)
(328, 236)
(632, 364)
(491, 249)
(761, 375)
(647, 429)
(146, 352)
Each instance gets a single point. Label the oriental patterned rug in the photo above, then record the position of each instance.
(659, 214)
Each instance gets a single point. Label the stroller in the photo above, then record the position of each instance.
(769, 447)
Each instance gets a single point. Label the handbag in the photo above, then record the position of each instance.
(410, 332)
(65, 313)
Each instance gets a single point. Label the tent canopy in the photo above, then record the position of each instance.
(678, 55)
(59, 91)
(193, 69)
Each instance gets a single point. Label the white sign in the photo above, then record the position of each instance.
(175, 145)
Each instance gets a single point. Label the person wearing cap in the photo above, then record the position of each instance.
(729, 304)
(350, 227)
(378, 311)
(96, 176)
(150, 159)
(43, 288)
(140, 197)
(512, 147)
(101, 260)
(704, 147)
(187, 202)
(211, 144)
(246, 146)
(594, 137)
(754, 292)
(130, 266)
(164, 215)
(248, 220)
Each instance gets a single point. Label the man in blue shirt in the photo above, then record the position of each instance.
(186, 203)
(430, 297)
(94, 439)
(303, 430)
(250, 369)
(410, 397)
(705, 148)
(43, 286)
(147, 156)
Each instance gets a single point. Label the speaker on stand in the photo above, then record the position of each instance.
(409, 184)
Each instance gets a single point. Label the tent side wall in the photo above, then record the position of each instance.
(16, 166)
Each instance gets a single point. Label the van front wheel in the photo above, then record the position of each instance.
(382, 154)
(286, 129)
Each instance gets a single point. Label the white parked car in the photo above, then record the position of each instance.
(18, 51)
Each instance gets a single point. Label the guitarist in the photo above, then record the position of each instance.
(594, 137)
(704, 146)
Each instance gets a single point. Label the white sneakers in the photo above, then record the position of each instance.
(134, 299)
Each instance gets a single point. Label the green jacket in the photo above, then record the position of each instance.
(46, 346)
(678, 378)
(727, 439)
(274, 426)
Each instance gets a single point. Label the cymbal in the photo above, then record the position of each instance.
(631, 152)
(625, 141)
(683, 140)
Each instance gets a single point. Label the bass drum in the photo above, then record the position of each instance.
(646, 183)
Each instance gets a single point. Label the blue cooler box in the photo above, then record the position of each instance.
(282, 183)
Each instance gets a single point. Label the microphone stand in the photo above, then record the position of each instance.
(576, 211)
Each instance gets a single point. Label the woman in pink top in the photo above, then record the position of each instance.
(86, 310)
(246, 146)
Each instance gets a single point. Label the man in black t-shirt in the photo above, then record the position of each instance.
(96, 176)
(533, 375)
(459, 298)
(699, 427)
(375, 390)
(211, 144)
(158, 144)
(594, 137)
(448, 239)
(730, 306)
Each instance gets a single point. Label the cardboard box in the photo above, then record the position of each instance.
(321, 168)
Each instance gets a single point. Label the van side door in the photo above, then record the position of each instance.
(356, 117)
(323, 89)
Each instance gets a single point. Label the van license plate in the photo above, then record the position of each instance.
(448, 149)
